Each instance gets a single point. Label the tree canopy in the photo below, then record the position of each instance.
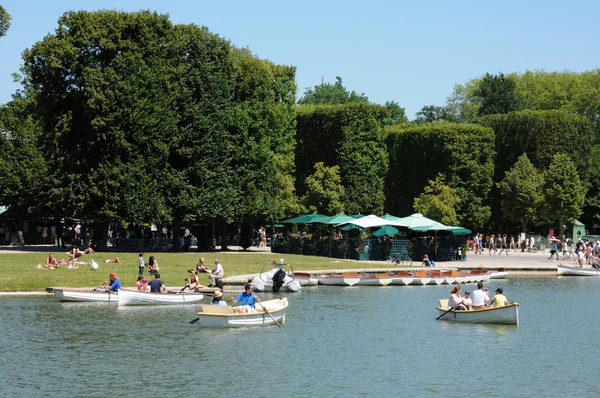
(4, 21)
(331, 94)
(324, 190)
(438, 201)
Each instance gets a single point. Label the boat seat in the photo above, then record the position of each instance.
(443, 303)
(381, 276)
(216, 309)
(350, 274)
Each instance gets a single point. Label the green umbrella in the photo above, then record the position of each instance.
(303, 219)
(386, 230)
(334, 220)
(352, 227)
(441, 227)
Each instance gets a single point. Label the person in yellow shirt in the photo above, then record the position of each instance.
(499, 300)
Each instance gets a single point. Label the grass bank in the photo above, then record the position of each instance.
(18, 271)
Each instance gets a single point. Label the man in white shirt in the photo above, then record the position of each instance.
(216, 274)
(480, 297)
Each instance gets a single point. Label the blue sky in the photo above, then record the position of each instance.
(410, 52)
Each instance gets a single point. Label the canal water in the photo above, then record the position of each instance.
(337, 342)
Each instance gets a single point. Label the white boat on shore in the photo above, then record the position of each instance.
(506, 315)
(129, 297)
(564, 270)
(216, 316)
(74, 295)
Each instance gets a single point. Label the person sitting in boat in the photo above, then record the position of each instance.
(142, 284)
(248, 299)
(51, 261)
(218, 299)
(157, 286)
(153, 266)
(427, 262)
(499, 300)
(455, 301)
(467, 300)
(480, 297)
(113, 286)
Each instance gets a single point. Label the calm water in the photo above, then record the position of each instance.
(359, 341)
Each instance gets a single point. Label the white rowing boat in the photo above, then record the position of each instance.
(74, 295)
(576, 271)
(374, 279)
(216, 316)
(506, 315)
(306, 279)
(129, 297)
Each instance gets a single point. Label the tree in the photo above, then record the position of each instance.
(438, 201)
(397, 114)
(324, 191)
(496, 95)
(433, 113)
(4, 21)
(592, 201)
(521, 191)
(564, 193)
(104, 89)
(332, 94)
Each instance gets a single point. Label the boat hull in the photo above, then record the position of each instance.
(506, 315)
(277, 308)
(337, 280)
(576, 271)
(81, 296)
(127, 297)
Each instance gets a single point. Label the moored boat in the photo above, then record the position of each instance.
(215, 316)
(500, 273)
(129, 297)
(576, 271)
(343, 279)
(276, 279)
(74, 295)
(306, 279)
(505, 315)
(374, 279)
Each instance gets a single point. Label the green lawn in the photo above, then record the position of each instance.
(18, 271)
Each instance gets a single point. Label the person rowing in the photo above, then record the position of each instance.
(113, 286)
(248, 299)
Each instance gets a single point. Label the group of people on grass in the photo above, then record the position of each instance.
(480, 299)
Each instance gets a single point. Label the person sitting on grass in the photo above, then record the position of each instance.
(51, 262)
(114, 261)
(427, 262)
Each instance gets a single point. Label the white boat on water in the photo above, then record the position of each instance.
(129, 297)
(306, 279)
(343, 279)
(499, 274)
(374, 279)
(576, 271)
(276, 279)
(74, 295)
(506, 315)
(216, 316)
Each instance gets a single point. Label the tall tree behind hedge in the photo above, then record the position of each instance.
(438, 201)
(496, 94)
(4, 21)
(540, 134)
(324, 190)
(563, 190)
(464, 153)
(331, 94)
(350, 136)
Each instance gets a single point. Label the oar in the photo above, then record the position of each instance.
(194, 320)
(451, 309)
(265, 310)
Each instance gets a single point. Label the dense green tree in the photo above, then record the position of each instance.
(438, 201)
(324, 190)
(4, 21)
(22, 165)
(351, 137)
(397, 114)
(591, 210)
(103, 86)
(563, 191)
(433, 113)
(496, 94)
(464, 153)
(331, 94)
(521, 190)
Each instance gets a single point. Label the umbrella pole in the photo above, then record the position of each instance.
(435, 244)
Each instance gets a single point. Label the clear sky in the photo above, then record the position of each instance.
(412, 52)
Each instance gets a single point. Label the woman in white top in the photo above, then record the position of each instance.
(455, 300)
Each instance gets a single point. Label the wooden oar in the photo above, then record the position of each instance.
(194, 320)
(450, 310)
(265, 310)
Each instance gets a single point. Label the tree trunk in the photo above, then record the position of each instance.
(224, 236)
(101, 236)
(176, 233)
